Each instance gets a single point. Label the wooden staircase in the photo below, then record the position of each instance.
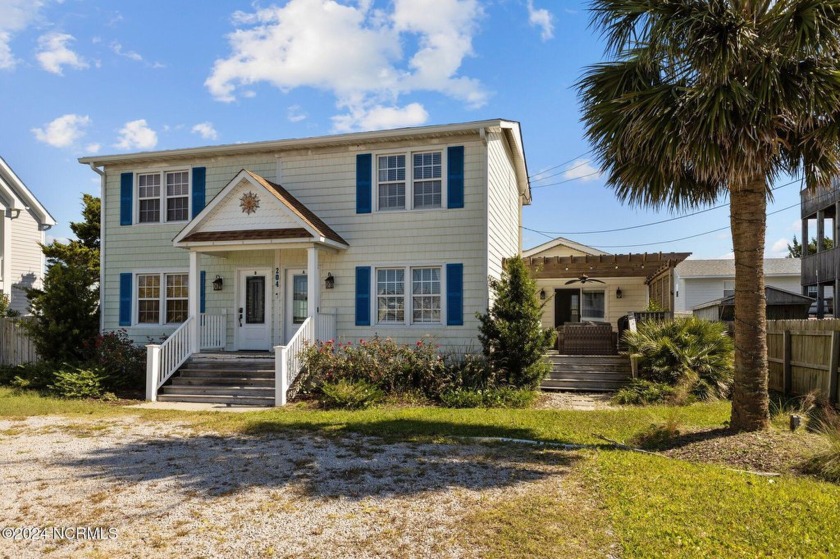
(233, 378)
(587, 373)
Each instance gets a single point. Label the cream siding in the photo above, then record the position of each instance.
(696, 291)
(27, 259)
(324, 180)
(634, 297)
(503, 205)
(560, 250)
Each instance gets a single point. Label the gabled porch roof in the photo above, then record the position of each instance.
(281, 220)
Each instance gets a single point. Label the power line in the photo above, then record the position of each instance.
(690, 236)
(653, 222)
(567, 180)
(561, 164)
(564, 171)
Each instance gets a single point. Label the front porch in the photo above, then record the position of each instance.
(260, 253)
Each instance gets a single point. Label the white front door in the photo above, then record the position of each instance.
(297, 301)
(254, 311)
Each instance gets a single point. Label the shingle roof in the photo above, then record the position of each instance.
(701, 268)
(247, 235)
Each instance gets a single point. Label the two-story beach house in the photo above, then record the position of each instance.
(264, 246)
(23, 225)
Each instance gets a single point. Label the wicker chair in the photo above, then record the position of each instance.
(586, 338)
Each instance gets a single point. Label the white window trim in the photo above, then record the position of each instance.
(135, 299)
(162, 173)
(604, 318)
(409, 178)
(408, 306)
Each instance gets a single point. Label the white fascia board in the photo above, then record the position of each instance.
(21, 197)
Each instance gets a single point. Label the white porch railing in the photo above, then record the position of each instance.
(164, 359)
(287, 362)
(213, 332)
(325, 326)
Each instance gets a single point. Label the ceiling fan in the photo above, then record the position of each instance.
(583, 279)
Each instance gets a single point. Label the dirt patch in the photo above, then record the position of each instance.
(573, 400)
(764, 451)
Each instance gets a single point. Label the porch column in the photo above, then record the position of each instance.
(194, 292)
(313, 282)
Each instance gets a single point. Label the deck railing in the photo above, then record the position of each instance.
(162, 360)
(325, 326)
(213, 331)
(287, 361)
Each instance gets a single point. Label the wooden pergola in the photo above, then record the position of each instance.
(647, 265)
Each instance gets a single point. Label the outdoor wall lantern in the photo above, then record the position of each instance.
(542, 294)
(329, 283)
(218, 283)
(618, 293)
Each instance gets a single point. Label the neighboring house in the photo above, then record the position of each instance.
(390, 233)
(702, 281)
(820, 271)
(781, 305)
(625, 282)
(23, 227)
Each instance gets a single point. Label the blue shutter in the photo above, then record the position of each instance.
(125, 299)
(199, 175)
(455, 294)
(202, 291)
(455, 177)
(126, 196)
(364, 182)
(362, 295)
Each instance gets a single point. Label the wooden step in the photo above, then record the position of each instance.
(226, 372)
(223, 381)
(209, 399)
(232, 390)
(588, 376)
(585, 385)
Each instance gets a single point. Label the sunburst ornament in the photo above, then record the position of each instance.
(249, 203)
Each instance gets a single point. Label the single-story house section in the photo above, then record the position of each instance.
(582, 284)
(781, 305)
(264, 246)
(698, 281)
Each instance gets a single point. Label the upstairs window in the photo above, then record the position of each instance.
(409, 181)
(163, 197)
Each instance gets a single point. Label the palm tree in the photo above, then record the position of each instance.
(700, 99)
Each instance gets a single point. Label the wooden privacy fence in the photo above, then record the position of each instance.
(804, 355)
(16, 348)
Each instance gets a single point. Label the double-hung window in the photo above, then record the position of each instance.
(593, 307)
(423, 306)
(412, 180)
(162, 298)
(163, 196)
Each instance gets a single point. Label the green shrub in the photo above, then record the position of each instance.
(641, 392)
(503, 397)
(470, 371)
(511, 333)
(75, 382)
(826, 464)
(694, 355)
(36, 376)
(350, 395)
(122, 362)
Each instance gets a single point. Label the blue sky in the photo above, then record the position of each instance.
(80, 77)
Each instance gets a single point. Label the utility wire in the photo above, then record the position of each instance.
(670, 219)
(572, 160)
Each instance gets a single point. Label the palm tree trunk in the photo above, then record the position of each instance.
(748, 217)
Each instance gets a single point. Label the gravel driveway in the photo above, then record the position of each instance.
(168, 491)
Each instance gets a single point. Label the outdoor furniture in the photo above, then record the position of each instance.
(586, 338)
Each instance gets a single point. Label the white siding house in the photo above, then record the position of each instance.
(700, 281)
(22, 227)
(389, 233)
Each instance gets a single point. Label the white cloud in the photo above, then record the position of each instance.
(380, 117)
(305, 43)
(541, 18)
(64, 131)
(136, 135)
(93, 148)
(295, 113)
(795, 226)
(582, 169)
(727, 256)
(779, 249)
(130, 54)
(54, 53)
(205, 130)
(15, 15)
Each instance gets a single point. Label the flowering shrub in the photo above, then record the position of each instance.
(392, 367)
(121, 361)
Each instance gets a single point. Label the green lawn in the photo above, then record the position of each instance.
(614, 502)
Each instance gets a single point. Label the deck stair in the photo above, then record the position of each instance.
(230, 378)
(587, 373)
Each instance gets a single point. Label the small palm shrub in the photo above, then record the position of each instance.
(350, 395)
(694, 356)
(641, 392)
